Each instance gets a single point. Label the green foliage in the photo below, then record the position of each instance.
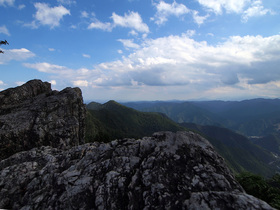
(265, 189)
(241, 154)
(109, 121)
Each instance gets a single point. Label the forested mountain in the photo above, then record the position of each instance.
(240, 153)
(180, 112)
(270, 142)
(112, 120)
(256, 118)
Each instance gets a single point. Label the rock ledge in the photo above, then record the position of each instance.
(166, 171)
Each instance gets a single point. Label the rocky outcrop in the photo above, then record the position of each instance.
(166, 171)
(33, 115)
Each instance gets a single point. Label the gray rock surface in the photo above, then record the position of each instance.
(166, 171)
(33, 115)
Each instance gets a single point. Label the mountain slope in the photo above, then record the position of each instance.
(270, 142)
(180, 112)
(238, 150)
(255, 117)
(112, 120)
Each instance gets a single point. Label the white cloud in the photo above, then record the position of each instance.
(178, 64)
(69, 2)
(230, 6)
(7, 2)
(199, 19)
(128, 43)
(131, 20)
(81, 83)
(32, 24)
(164, 10)
(47, 68)
(86, 56)
(21, 6)
(133, 33)
(1, 82)
(50, 16)
(19, 83)
(53, 82)
(247, 8)
(62, 72)
(4, 30)
(99, 25)
(190, 33)
(182, 61)
(16, 54)
(84, 14)
(256, 9)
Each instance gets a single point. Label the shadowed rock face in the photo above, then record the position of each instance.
(33, 115)
(166, 171)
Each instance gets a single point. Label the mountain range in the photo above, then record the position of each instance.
(45, 162)
(112, 120)
(257, 119)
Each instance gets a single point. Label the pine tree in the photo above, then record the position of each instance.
(5, 43)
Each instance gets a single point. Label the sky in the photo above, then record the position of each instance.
(135, 50)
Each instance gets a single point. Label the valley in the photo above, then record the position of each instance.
(229, 126)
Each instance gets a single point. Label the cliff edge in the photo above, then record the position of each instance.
(166, 171)
(33, 115)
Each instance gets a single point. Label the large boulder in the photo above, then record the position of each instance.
(166, 171)
(33, 115)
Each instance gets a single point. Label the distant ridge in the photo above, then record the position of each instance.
(240, 153)
(94, 106)
(111, 120)
(254, 117)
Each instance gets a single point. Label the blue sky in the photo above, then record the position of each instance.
(129, 50)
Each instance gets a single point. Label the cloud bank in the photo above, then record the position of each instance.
(233, 66)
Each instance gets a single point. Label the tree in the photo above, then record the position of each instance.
(5, 43)
(265, 189)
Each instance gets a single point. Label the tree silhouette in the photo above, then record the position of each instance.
(5, 43)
